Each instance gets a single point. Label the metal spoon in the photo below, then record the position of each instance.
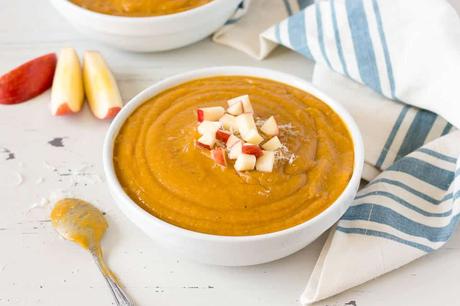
(84, 224)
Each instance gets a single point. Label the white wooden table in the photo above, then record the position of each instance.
(43, 157)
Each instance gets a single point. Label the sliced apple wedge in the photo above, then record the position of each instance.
(232, 140)
(235, 109)
(210, 113)
(67, 91)
(252, 150)
(208, 127)
(235, 150)
(245, 102)
(253, 137)
(228, 122)
(245, 123)
(266, 161)
(270, 127)
(100, 86)
(245, 162)
(220, 156)
(223, 135)
(28, 80)
(207, 141)
(273, 144)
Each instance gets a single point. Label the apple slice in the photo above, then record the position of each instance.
(100, 86)
(273, 144)
(253, 137)
(235, 109)
(210, 113)
(252, 150)
(207, 141)
(235, 150)
(245, 102)
(245, 123)
(220, 156)
(67, 91)
(266, 161)
(223, 135)
(228, 122)
(232, 140)
(208, 127)
(245, 162)
(28, 80)
(270, 127)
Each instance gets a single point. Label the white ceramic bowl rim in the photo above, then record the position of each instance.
(169, 17)
(236, 71)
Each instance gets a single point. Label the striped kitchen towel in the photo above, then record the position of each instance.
(394, 64)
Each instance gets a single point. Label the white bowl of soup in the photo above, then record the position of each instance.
(170, 188)
(147, 25)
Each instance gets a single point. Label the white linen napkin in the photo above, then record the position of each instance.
(409, 52)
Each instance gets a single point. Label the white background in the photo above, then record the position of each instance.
(38, 268)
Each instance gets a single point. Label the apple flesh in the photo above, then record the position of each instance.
(228, 122)
(266, 161)
(245, 123)
(219, 156)
(252, 150)
(273, 144)
(100, 86)
(235, 109)
(245, 102)
(208, 127)
(245, 162)
(207, 141)
(232, 140)
(270, 127)
(253, 137)
(210, 113)
(235, 150)
(28, 80)
(67, 92)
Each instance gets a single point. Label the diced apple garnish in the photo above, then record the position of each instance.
(245, 162)
(270, 127)
(252, 149)
(273, 144)
(235, 150)
(266, 161)
(67, 91)
(220, 156)
(253, 137)
(28, 80)
(223, 135)
(207, 141)
(100, 86)
(210, 113)
(208, 127)
(245, 102)
(235, 109)
(232, 140)
(228, 122)
(245, 123)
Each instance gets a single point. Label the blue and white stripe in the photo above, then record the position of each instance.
(415, 201)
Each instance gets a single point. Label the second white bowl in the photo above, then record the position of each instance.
(145, 34)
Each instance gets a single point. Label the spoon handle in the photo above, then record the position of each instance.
(120, 296)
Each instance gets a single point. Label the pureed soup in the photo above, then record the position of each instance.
(167, 163)
(139, 8)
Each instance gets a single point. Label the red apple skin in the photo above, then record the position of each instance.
(252, 150)
(28, 80)
(112, 112)
(222, 135)
(200, 115)
(219, 156)
(203, 145)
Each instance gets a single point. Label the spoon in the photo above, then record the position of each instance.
(84, 224)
